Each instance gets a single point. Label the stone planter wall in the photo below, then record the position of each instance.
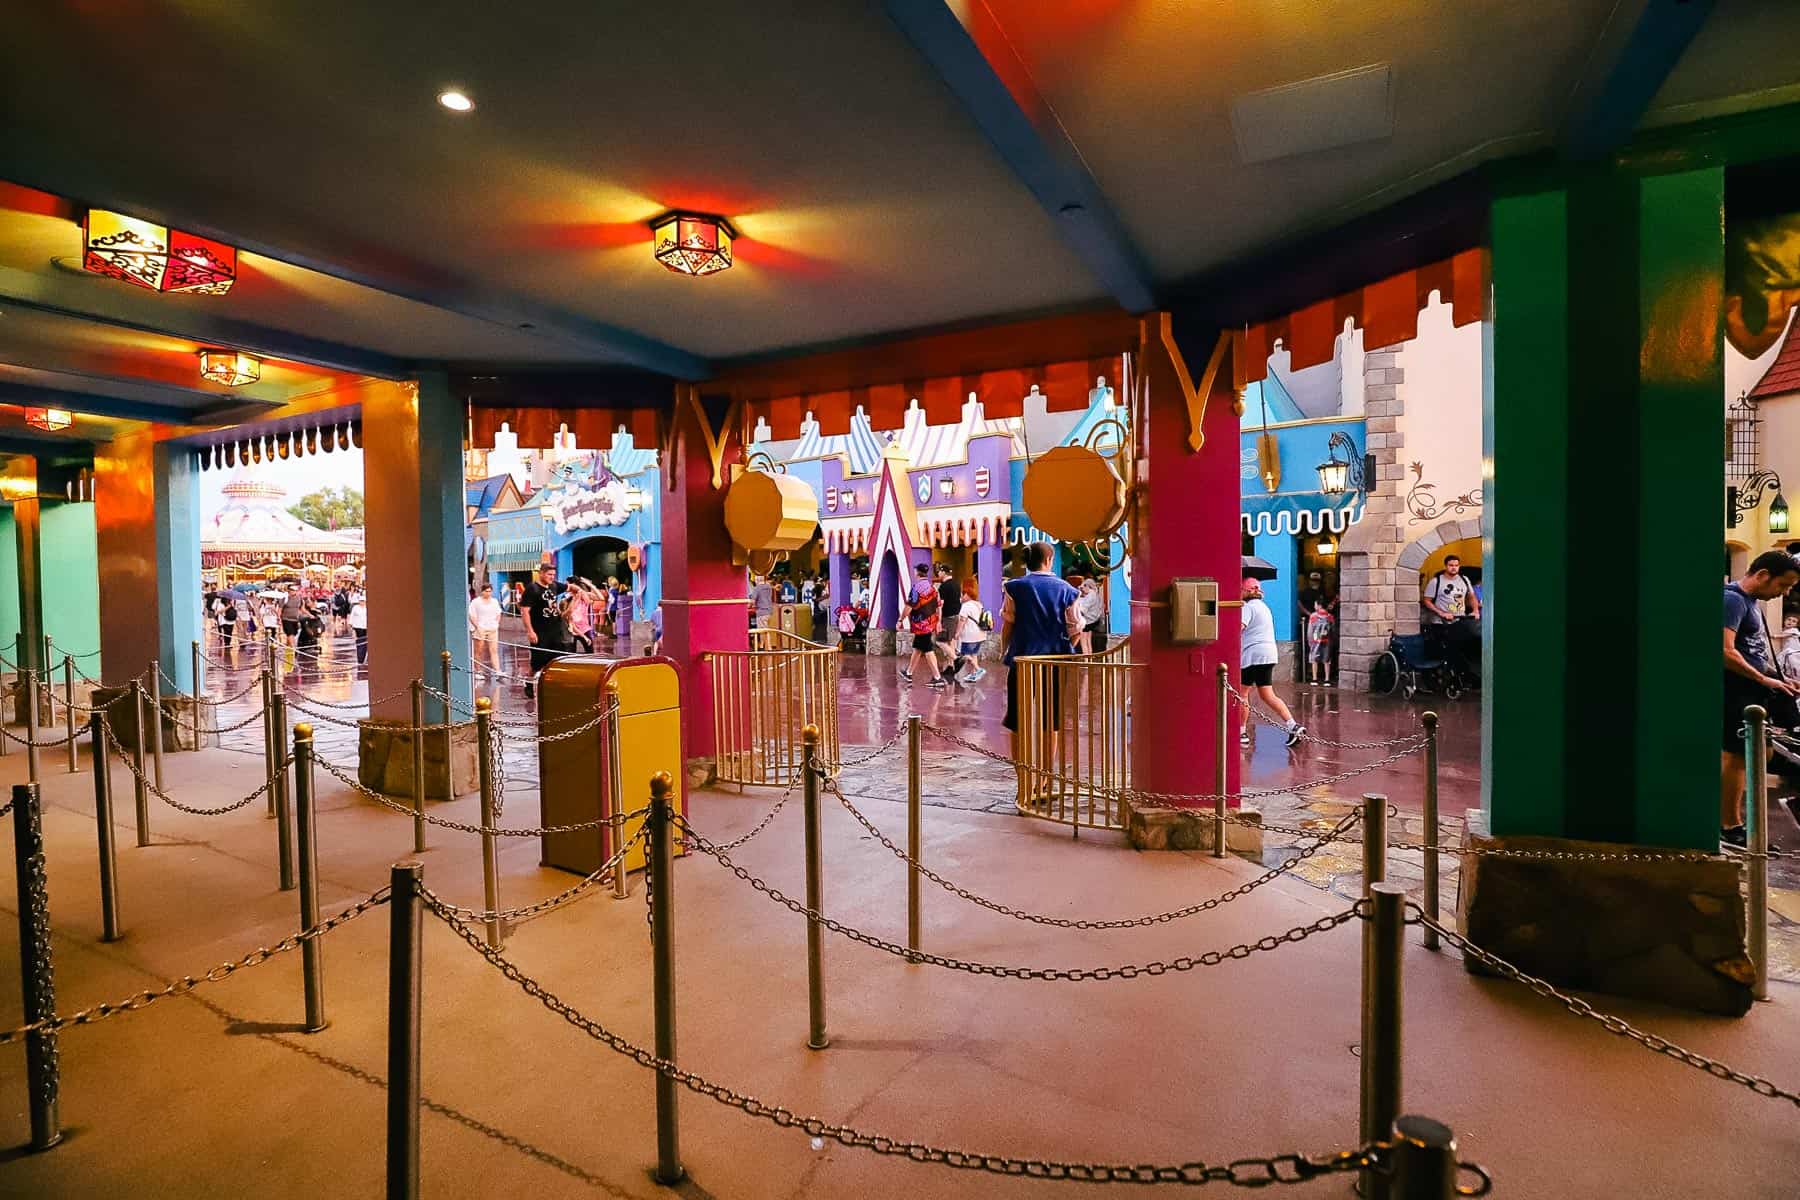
(384, 759)
(1672, 932)
(177, 719)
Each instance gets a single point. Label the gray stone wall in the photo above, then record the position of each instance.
(1368, 606)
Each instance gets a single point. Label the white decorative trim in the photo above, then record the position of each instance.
(1290, 523)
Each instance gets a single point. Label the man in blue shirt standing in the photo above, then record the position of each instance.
(1751, 677)
(1039, 616)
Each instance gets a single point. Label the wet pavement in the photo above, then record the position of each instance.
(874, 702)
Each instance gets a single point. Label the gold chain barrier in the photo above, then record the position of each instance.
(763, 697)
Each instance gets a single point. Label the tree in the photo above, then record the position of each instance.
(331, 508)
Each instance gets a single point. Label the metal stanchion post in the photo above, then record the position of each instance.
(1431, 826)
(418, 765)
(662, 959)
(103, 818)
(284, 807)
(69, 712)
(30, 694)
(1222, 775)
(156, 715)
(141, 794)
(490, 863)
(914, 768)
(1381, 1023)
(312, 966)
(1424, 1160)
(1375, 838)
(270, 754)
(406, 936)
(816, 1038)
(1756, 830)
(615, 788)
(449, 734)
(199, 696)
(37, 975)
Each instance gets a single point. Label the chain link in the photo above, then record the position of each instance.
(876, 753)
(150, 784)
(16, 740)
(336, 772)
(188, 983)
(1614, 1025)
(1186, 962)
(518, 916)
(6, 808)
(1161, 918)
(1245, 1172)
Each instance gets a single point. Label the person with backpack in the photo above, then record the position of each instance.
(970, 634)
(923, 618)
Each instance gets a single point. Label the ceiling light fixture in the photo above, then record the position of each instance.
(230, 367)
(49, 419)
(155, 256)
(455, 101)
(691, 243)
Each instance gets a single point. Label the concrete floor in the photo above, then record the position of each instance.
(216, 1095)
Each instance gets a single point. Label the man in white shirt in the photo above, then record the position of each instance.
(1257, 657)
(359, 625)
(484, 628)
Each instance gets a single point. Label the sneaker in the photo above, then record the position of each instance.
(1244, 738)
(1294, 734)
(906, 674)
(980, 673)
(1736, 835)
(936, 685)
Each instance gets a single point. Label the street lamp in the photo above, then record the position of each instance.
(1343, 469)
(1740, 500)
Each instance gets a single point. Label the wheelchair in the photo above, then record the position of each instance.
(1413, 663)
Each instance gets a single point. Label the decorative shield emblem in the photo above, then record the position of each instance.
(983, 482)
(924, 489)
(831, 495)
(634, 556)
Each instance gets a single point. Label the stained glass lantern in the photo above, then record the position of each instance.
(1778, 514)
(689, 244)
(49, 419)
(154, 256)
(230, 367)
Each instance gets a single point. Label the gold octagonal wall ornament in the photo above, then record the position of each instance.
(1073, 494)
(764, 511)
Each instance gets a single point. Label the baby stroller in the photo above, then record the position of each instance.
(1411, 664)
(853, 628)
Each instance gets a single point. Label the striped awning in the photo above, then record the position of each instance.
(515, 553)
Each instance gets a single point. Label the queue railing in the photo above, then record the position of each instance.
(762, 699)
(1072, 736)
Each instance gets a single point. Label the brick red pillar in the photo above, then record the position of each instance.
(1187, 527)
(705, 599)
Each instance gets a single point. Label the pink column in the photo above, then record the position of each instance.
(705, 598)
(1187, 527)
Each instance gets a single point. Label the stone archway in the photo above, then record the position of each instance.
(1413, 559)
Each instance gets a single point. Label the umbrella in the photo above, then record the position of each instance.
(1259, 568)
(272, 594)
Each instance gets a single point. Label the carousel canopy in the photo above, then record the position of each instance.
(254, 526)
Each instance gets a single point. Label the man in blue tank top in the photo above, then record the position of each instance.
(1039, 616)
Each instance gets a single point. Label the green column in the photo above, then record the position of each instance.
(1601, 434)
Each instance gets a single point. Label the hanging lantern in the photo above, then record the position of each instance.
(231, 368)
(154, 256)
(691, 244)
(48, 419)
(1778, 514)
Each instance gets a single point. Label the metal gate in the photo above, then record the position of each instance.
(1074, 732)
(763, 697)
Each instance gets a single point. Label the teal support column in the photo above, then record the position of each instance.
(177, 501)
(29, 538)
(71, 585)
(9, 581)
(1604, 478)
(417, 571)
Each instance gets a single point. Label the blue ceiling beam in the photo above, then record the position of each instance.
(1034, 144)
(1642, 42)
(416, 282)
(108, 306)
(94, 404)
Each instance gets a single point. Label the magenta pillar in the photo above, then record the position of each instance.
(1187, 527)
(705, 597)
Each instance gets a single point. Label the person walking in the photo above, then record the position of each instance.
(544, 625)
(580, 616)
(624, 609)
(922, 619)
(225, 614)
(1256, 662)
(762, 602)
(359, 626)
(1751, 677)
(484, 629)
(1092, 605)
(293, 610)
(969, 635)
(1038, 616)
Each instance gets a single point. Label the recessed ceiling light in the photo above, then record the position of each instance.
(455, 101)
